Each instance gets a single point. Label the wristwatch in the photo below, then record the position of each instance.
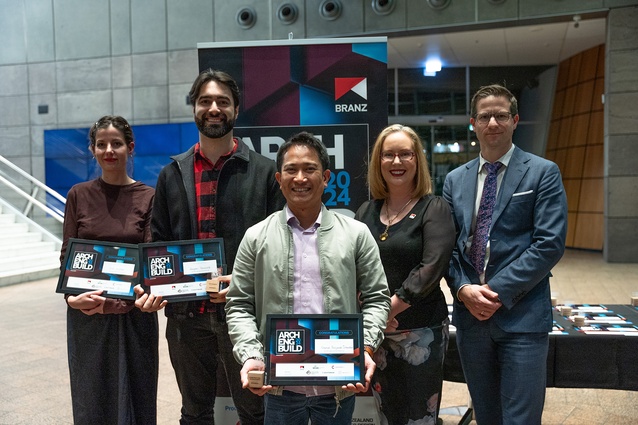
(261, 359)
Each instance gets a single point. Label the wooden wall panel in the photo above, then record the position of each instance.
(576, 144)
(564, 132)
(589, 231)
(589, 64)
(600, 69)
(579, 130)
(596, 133)
(571, 229)
(574, 164)
(561, 159)
(570, 101)
(572, 190)
(597, 98)
(584, 95)
(574, 69)
(594, 166)
(590, 200)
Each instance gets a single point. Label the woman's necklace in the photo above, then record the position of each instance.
(383, 236)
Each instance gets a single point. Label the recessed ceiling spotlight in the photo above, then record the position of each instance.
(383, 7)
(246, 17)
(287, 13)
(330, 9)
(438, 4)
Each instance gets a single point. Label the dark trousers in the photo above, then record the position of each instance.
(505, 372)
(113, 364)
(196, 345)
(296, 409)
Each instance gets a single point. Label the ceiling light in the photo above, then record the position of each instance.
(432, 66)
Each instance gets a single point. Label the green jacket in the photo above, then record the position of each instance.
(263, 279)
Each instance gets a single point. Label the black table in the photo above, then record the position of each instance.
(578, 360)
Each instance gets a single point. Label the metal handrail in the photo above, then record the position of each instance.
(32, 180)
(56, 214)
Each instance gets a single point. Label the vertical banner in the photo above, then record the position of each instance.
(333, 88)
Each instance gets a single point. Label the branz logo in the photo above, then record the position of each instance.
(290, 341)
(162, 265)
(357, 85)
(84, 261)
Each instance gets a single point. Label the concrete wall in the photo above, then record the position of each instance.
(81, 59)
(621, 136)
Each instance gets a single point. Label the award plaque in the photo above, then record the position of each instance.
(314, 349)
(179, 270)
(94, 265)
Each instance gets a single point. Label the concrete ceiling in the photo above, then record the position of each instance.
(542, 44)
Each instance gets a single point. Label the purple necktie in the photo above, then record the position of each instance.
(484, 218)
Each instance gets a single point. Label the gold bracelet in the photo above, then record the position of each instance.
(369, 350)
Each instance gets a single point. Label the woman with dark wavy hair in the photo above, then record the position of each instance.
(112, 346)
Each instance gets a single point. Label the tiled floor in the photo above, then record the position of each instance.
(34, 383)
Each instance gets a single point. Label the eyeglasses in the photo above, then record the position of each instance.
(403, 156)
(484, 118)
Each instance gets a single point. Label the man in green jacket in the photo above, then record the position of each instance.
(305, 259)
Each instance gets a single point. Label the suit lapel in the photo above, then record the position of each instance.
(468, 194)
(514, 173)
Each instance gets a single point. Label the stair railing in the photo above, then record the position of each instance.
(31, 198)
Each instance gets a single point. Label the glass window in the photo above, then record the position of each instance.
(446, 148)
(440, 95)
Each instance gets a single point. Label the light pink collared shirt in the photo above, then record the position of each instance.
(307, 293)
(307, 289)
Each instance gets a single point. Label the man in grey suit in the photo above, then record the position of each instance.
(510, 212)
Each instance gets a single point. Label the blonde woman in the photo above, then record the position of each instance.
(415, 234)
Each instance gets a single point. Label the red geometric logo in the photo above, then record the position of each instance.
(359, 85)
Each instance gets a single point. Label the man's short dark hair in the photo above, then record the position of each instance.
(495, 90)
(213, 75)
(308, 139)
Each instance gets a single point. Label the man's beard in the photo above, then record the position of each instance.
(215, 131)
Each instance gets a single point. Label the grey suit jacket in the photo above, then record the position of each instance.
(527, 239)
